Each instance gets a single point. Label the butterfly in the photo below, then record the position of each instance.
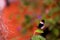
(41, 24)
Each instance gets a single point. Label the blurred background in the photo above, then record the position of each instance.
(22, 17)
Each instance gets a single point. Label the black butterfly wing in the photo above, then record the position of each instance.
(46, 31)
(40, 25)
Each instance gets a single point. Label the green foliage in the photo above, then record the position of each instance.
(26, 2)
(51, 27)
(58, 4)
(28, 18)
(53, 10)
(34, 5)
(57, 18)
(37, 21)
(51, 21)
(39, 31)
(48, 1)
(51, 37)
(38, 37)
(44, 16)
(55, 32)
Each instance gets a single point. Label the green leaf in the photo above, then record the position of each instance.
(48, 1)
(26, 2)
(53, 10)
(58, 3)
(38, 37)
(44, 16)
(39, 31)
(51, 27)
(34, 5)
(51, 21)
(55, 32)
(57, 18)
(37, 21)
(27, 17)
